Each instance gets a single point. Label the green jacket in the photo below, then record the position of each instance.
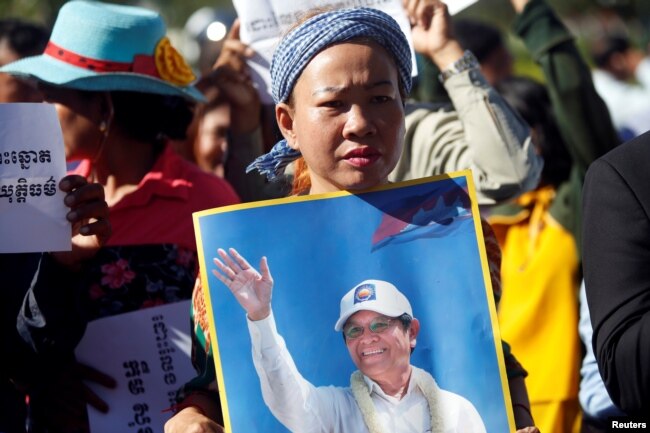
(582, 116)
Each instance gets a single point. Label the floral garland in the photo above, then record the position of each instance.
(424, 380)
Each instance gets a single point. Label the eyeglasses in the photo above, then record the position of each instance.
(377, 326)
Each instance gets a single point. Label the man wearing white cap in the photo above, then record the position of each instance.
(387, 394)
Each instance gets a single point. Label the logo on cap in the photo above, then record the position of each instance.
(365, 292)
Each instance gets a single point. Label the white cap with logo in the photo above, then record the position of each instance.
(373, 295)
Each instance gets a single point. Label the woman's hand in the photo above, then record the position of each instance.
(431, 31)
(252, 289)
(89, 218)
(230, 79)
(191, 419)
(531, 429)
(519, 5)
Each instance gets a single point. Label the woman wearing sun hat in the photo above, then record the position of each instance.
(121, 91)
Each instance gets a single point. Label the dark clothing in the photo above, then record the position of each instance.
(617, 270)
(582, 117)
(40, 324)
(13, 411)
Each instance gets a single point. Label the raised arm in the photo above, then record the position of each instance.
(483, 133)
(295, 402)
(582, 116)
(230, 80)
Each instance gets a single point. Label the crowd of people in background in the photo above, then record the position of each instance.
(148, 147)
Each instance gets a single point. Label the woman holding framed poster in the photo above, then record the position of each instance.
(340, 80)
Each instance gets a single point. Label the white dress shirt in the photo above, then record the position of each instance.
(305, 408)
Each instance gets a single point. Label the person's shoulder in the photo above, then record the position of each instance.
(421, 109)
(206, 187)
(630, 150)
(199, 177)
(424, 117)
(629, 160)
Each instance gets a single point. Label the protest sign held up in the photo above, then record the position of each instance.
(263, 22)
(32, 162)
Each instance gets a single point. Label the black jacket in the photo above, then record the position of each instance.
(616, 248)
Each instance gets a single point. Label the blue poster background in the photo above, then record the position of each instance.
(318, 248)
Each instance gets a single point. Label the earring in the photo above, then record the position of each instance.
(103, 126)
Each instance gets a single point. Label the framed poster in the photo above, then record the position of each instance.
(422, 236)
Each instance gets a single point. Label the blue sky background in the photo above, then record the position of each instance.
(317, 251)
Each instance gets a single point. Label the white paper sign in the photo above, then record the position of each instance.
(148, 353)
(455, 6)
(264, 21)
(32, 162)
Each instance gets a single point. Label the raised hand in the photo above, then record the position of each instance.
(431, 31)
(519, 5)
(234, 52)
(251, 288)
(230, 78)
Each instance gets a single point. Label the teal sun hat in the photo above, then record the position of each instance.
(106, 47)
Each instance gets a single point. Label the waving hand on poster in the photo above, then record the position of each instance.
(252, 289)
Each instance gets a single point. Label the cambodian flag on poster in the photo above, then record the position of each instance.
(436, 214)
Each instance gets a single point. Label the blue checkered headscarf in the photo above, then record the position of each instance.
(300, 45)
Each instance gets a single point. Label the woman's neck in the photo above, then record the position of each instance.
(319, 186)
(121, 167)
